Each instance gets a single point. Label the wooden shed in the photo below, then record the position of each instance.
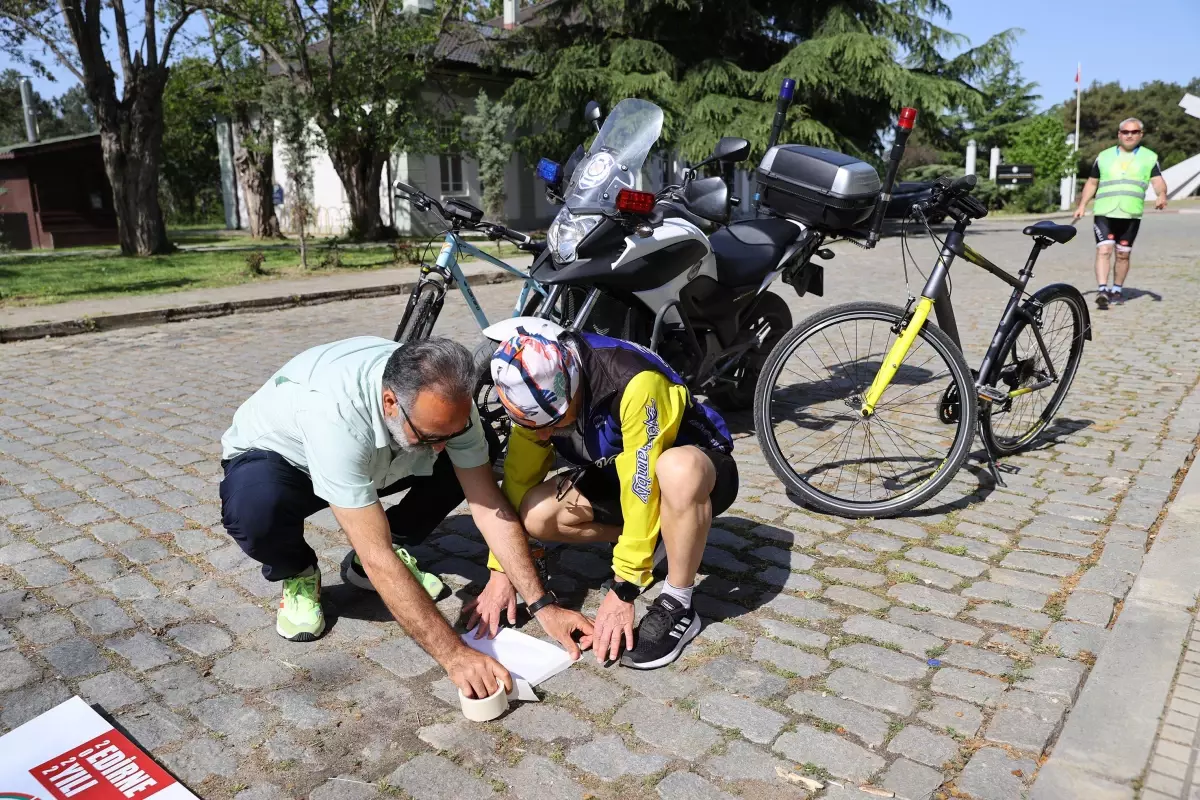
(56, 194)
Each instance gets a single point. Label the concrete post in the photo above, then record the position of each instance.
(1066, 188)
(994, 164)
(972, 150)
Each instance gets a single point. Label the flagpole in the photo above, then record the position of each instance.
(1078, 97)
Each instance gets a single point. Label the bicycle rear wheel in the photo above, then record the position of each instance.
(813, 435)
(1015, 423)
(421, 314)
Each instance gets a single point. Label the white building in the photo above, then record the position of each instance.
(445, 176)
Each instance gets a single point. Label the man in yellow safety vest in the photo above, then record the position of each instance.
(1121, 175)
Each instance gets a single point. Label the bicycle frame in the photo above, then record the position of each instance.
(934, 296)
(447, 266)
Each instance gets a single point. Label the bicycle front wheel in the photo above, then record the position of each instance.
(421, 314)
(1014, 423)
(807, 413)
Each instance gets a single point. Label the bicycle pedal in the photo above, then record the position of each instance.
(991, 393)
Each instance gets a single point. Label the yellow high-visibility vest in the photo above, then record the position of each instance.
(1124, 178)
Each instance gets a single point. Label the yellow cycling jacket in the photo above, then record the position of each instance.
(635, 407)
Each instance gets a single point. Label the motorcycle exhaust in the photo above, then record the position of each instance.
(904, 127)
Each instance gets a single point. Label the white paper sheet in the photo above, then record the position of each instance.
(521, 654)
(522, 690)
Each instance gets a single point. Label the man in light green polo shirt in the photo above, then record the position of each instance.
(341, 425)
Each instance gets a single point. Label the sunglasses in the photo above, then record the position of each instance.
(1134, 132)
(425, 438)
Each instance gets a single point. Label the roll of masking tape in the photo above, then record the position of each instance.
(486, 709)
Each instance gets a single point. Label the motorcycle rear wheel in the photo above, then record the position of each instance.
(771, 310)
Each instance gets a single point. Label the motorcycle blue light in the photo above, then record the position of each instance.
(549, 171)
(787, 88)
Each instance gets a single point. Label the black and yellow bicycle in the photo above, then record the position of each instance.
(868, 410)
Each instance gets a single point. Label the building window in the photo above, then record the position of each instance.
(452, 178)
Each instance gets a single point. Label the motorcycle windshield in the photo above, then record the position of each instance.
(615, 157)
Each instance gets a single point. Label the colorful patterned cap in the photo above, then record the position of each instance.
(536, 377)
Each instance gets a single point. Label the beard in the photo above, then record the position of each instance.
(395, 427)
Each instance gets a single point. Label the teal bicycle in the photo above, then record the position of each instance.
(428, 296)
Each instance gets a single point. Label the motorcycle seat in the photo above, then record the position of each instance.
(747, 251)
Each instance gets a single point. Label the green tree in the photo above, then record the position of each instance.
(1041, 142)
(191, 172)
(74, 33)
(1170, 132)
(63, 116)
(715, 68)
(362, 67)
(74, 112)
(293, 114)
(487, 133)
(244, 83)
(1007, 103)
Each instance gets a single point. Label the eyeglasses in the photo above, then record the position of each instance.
(424, 438)
(1133, 132)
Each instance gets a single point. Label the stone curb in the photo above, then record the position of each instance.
(1109, 734)
(109, 322)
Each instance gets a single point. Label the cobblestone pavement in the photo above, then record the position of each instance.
(934, 655)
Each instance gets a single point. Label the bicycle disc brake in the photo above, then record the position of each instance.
(950, 406)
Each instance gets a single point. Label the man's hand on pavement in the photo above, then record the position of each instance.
(496, 598)
(614, 621)
(475, 674)
(561, 623)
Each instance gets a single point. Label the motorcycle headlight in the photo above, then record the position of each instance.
(566, 232)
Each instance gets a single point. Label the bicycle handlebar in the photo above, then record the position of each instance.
(954, 198)
(493, 230)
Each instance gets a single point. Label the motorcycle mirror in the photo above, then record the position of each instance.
(591, 113)
(731, 149)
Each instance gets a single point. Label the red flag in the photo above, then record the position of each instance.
(1078, 69)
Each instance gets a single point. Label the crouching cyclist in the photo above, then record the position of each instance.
(648, 459)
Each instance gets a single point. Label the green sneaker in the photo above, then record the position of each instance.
(300, 618)
(355, 575)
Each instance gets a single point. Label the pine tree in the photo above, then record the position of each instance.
(486, 133)
(715, 68)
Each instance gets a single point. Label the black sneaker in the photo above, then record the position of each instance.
(662, 634)
(1117, 298)
(1102, 299)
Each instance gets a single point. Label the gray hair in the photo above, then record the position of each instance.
(437, 364)
(1141, 124)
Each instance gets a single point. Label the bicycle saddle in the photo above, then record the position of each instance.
(1051, 230)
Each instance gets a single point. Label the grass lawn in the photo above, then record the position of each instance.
(42, 279)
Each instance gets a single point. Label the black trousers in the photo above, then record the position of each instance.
(265, 500)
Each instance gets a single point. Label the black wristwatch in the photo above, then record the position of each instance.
(548, 599)
(626, 590)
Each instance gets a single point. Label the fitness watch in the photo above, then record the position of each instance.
(626, 590)
(548, 599)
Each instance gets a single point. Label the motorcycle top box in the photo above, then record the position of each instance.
(818, 187)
